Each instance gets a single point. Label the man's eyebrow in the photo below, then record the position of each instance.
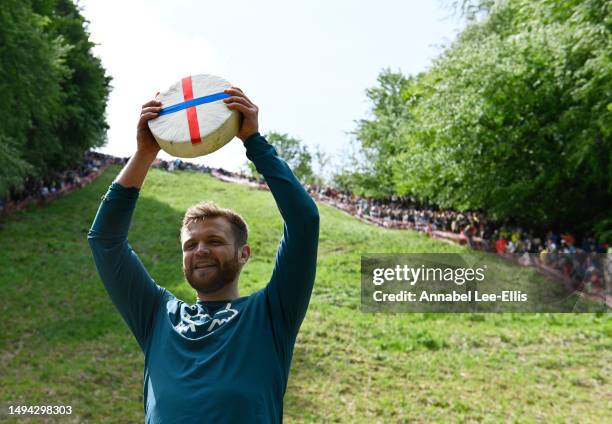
(208, 236)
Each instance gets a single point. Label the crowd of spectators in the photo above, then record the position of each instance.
(179, 165)
(39, 191)
(220, 173)
(584, 262)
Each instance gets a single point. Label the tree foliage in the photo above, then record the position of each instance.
(514, 118)
(292, 151)
(379, 137)
(54, 91)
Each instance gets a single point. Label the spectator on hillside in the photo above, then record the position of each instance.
(500, 246)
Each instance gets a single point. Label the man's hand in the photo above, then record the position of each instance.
(134, 173)
(146, 143)
(238, 101)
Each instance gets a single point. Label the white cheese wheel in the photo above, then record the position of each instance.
(195, 130)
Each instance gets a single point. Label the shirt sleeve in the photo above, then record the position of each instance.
(132, 290)
(290, 286)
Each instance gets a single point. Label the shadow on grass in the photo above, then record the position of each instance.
(50, 284)
(54, 302)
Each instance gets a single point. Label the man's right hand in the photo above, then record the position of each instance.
(146, 143)
(134, 173)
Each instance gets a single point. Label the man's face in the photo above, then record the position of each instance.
(210, 258)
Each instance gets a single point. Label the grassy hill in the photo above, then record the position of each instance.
(63, 343)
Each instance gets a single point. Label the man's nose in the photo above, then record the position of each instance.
(202, 249)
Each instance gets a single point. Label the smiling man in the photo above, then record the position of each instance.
(215, 248)
(225, 358)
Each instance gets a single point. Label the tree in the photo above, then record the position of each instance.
(31, 66)
(291, 150)
(513, 118)
(379, 137)
(322, 160)
(54, 91)
(81, 125)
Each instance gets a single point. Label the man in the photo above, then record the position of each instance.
(224, 359)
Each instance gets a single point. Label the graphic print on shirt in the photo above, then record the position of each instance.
(204, 322)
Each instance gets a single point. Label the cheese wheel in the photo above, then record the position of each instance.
(194, 120)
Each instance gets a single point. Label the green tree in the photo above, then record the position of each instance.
(54, 91)
(31, 66)
(294, 152)
(514, 117)
(369, 173)
(81, 123)
(321, 160)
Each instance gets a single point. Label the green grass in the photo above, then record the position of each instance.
(62, 342)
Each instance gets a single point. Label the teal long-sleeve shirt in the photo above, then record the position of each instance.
(222, 361)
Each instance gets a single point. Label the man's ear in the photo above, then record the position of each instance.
(245, 254)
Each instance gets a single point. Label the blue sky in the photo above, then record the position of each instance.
(305, 64)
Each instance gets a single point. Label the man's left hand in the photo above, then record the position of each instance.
(238, 101)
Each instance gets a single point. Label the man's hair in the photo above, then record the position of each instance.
(206, 210)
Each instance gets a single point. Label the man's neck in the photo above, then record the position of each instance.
(228, 292)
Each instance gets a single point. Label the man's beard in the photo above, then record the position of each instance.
(224, 274)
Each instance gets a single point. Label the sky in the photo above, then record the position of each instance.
(306, 64)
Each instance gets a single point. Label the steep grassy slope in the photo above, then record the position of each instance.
(62, 342)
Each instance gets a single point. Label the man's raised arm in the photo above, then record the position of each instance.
(134, 173)
(293, 277)
(130, 287)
